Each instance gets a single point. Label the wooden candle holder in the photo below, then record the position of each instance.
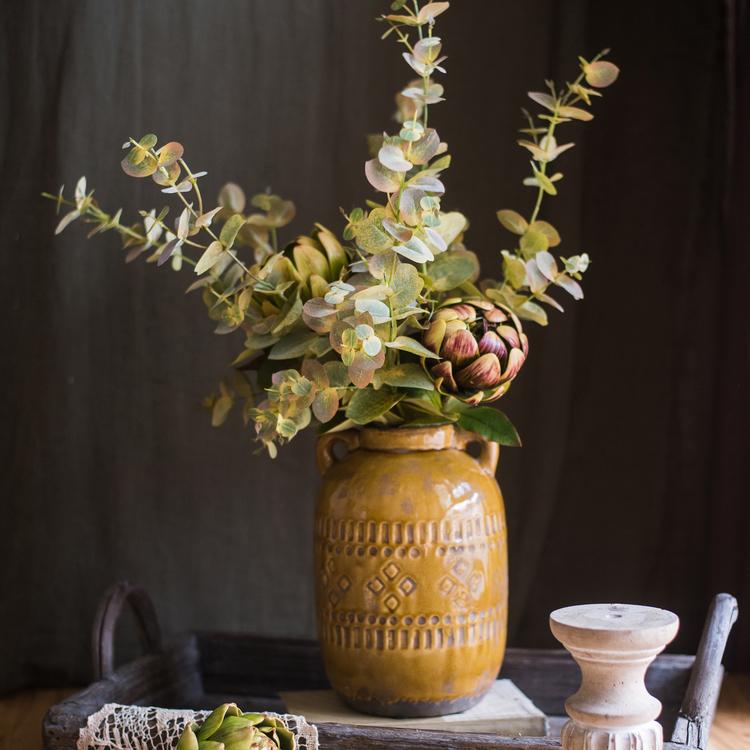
(613, 645)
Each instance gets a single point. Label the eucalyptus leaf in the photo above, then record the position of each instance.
(294, 344)
(545, 182)
(231, 229)
(514, 269)
(371, 238)
(167, 250)
(576, 113)
(552, 235)
(407, 344)
(547, 264)
(531, 311)
(222, 406)
(210, 257)
(232, 197)
(545, 100)
(381, 178)
(367, 404)
(169, 153)
(406, 285)
(451, 269)
(512, 221)
(415, 249)
(452, 225)
(325, 404)
(289, 314)
(601, 74)
(571, 286)
(428, 12)
(406, 375)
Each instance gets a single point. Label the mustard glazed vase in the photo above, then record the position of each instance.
(411, 569)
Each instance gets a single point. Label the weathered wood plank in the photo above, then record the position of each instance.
(345, 737)
(204, 670)
(699, 705)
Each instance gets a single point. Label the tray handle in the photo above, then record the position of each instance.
(105, 624)
(698, 706)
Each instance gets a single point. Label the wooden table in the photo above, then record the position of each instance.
(21, 716)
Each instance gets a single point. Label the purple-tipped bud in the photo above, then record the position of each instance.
(443, 374)
(495, 315)
(465, 312)
(484, 372)
(460, 347)
(491, 342)
(510, 335)
(516, 358)
(525, 344)
(497, 393)
(475, 399)
(481, 304)
(445, 313)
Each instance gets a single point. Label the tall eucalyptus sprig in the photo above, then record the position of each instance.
(530, 269)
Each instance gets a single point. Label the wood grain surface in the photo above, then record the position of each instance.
(21, 716)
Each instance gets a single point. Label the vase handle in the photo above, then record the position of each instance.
(489, 453)
(324, 449)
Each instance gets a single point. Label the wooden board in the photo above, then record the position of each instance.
(504, 710)
(21, 716)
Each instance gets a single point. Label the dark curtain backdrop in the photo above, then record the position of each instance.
(633, 482)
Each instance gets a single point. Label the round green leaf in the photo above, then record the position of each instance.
(512, 221)
(601, 74)
(552, 235)
(451, 269)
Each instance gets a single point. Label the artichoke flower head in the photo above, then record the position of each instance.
(227, 728)
(482, 347)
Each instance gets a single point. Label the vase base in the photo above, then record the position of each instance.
(405, 709)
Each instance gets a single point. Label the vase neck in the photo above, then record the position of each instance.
(399, 439)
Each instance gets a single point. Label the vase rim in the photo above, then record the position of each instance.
(431, 438)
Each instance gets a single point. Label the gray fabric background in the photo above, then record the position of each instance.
(110, 467)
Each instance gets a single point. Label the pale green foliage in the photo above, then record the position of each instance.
(390, 326)
(530, 269)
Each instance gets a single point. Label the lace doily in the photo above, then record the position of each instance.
(117, 727)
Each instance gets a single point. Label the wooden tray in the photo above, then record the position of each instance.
(202, 670)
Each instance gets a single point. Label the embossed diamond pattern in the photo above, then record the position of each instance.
(407, 585)
(392, 602)
(391, 570)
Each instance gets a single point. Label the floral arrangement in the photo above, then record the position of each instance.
(388, 325)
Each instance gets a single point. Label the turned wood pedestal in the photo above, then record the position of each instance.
(613, 645)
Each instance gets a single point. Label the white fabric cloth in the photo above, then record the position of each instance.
(117, 727)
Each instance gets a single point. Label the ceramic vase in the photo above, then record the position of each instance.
(411, 569)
